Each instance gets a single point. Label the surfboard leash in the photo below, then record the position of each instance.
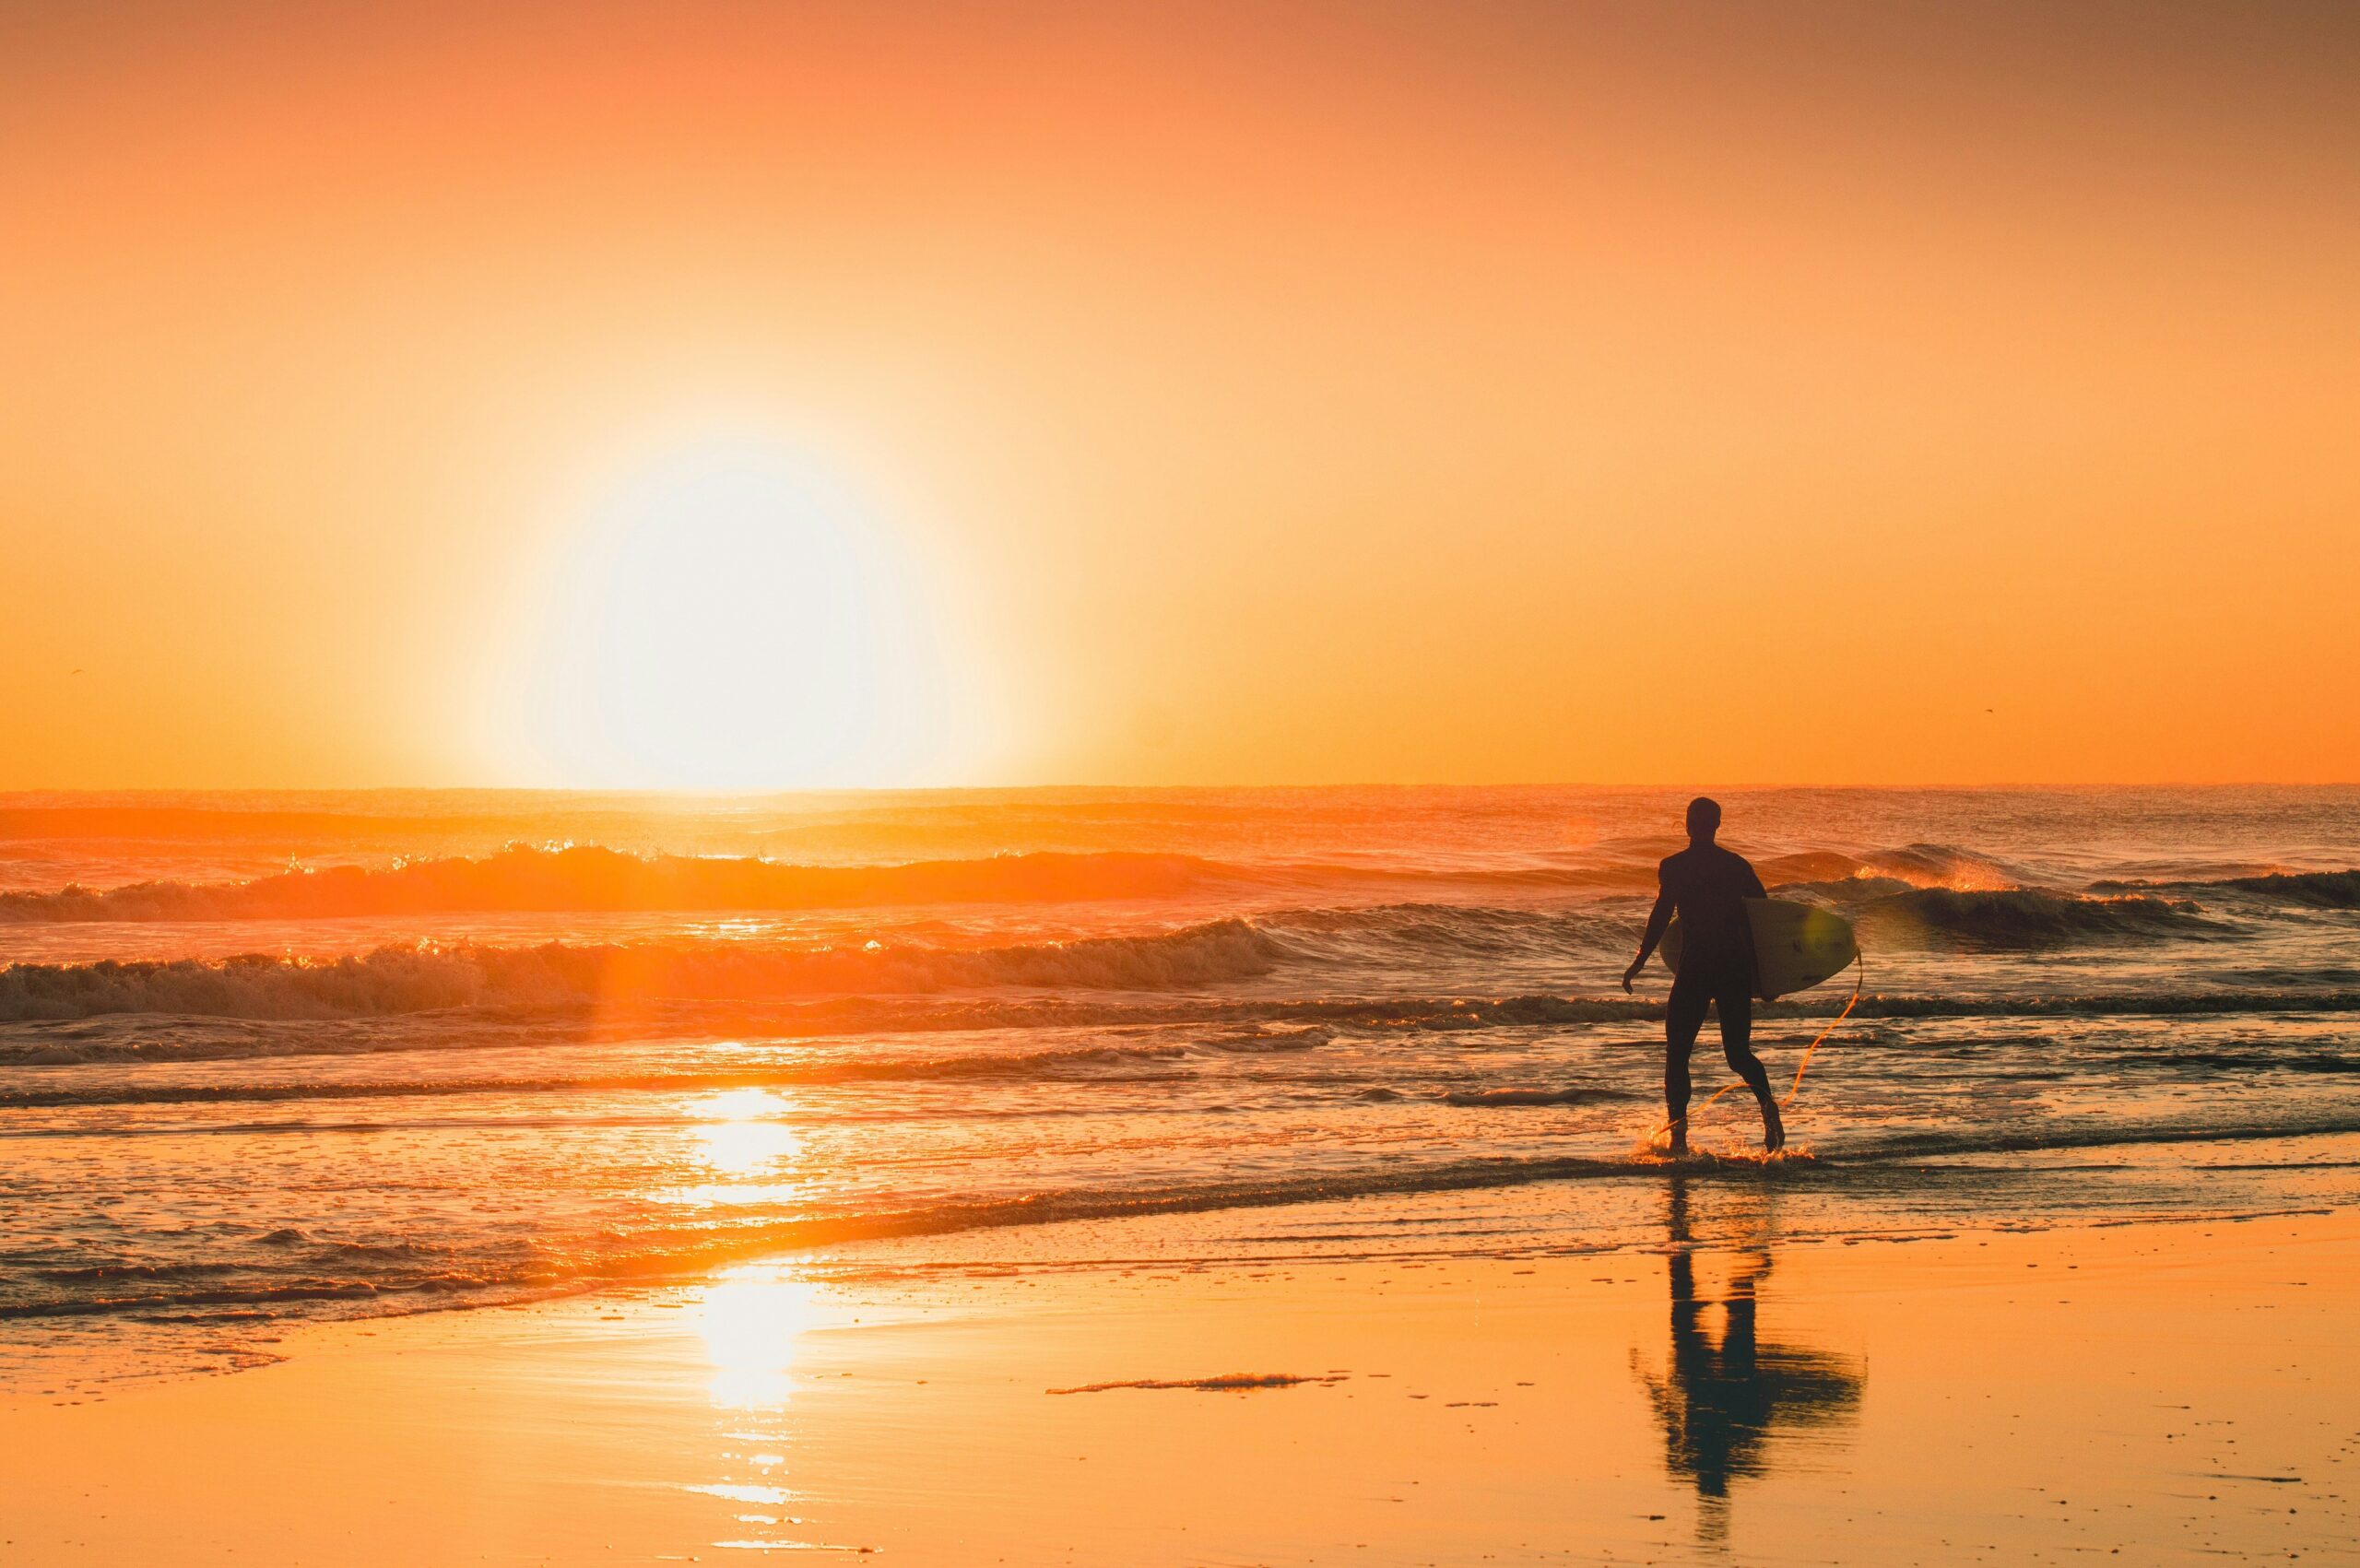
(1860, 979)
(1860, 982)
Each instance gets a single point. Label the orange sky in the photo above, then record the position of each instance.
(1304, 393)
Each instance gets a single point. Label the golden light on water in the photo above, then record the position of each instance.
(743, 1135)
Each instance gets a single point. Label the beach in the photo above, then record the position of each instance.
(1166, 1176)
(2167, 1392)
(1179, 784)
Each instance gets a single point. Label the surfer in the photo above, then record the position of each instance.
(1707, 886)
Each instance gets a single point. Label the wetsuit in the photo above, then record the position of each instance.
(1707, 886)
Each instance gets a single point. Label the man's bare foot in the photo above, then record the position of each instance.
(1774, 1128)
(1678, 1146)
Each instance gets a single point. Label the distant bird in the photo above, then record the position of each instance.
(74, 672)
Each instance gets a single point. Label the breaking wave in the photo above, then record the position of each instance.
(579, 877)
(419, 979)
(2319, 889)
(2029, 917)
(592, 877)
(1913, 865)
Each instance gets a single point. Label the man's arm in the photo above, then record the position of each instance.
(1658, 921)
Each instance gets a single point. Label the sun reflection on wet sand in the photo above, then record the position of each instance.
(753, 1323)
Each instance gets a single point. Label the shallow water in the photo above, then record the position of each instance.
(266, 1056)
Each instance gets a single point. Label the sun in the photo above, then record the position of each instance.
(726, 616)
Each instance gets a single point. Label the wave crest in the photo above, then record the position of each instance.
(2029, 917)
(588, 877)
(1914, 866)
(424, 979)
(2320, 890)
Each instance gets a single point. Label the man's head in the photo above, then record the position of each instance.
(1704, 819)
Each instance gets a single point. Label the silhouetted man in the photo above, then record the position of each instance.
(1707, 886)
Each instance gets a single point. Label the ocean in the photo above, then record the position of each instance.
(270, 1057)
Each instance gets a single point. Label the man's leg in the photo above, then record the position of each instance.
(1735, 1004)
(1683, 1018)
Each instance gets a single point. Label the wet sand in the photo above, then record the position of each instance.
(2172, 1392)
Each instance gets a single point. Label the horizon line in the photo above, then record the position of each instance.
(759, 793)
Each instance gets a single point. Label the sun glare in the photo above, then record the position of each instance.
(750, 1324)
(740, 1135)
(727, 617)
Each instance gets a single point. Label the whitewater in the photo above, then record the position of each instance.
(277, 1056)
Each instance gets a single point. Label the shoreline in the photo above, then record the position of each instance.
(1498, 1207)
(1898, 1399)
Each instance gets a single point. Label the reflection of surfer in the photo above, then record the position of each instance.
(1707, 886)
(1721, 1402)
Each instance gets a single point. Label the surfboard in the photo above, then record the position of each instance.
(1796, 946)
